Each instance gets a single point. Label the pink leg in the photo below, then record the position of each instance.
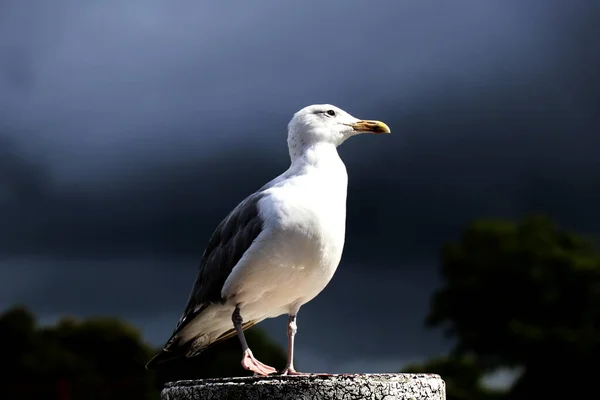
(249, 362)
(291, 331)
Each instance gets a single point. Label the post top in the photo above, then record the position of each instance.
(314, 386)
(241, 380)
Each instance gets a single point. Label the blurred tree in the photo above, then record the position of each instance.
(90, 359)
(522, 295)
(17, 335)
(101, 358)
(462, 375)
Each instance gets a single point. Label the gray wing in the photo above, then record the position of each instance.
(228, 243)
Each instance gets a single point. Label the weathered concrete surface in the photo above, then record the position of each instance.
(312, 387)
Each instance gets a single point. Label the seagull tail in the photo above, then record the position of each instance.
(161, 357)
(176, 349)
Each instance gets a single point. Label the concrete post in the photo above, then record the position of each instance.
(312, 387)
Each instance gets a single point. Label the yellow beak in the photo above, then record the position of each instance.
(370, 126)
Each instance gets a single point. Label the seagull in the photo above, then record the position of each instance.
(278, 248)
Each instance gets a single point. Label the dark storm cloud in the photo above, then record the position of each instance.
(165, 210)
(490, 153)
(78, 285)
(104, 76)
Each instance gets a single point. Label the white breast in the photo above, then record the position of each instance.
(301, 244)
(311, 207)
(306, 223)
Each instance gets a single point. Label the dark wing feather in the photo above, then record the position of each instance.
(228, 243)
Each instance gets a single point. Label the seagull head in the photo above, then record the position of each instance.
(326, 123)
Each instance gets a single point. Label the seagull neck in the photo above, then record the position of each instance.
(315, 154)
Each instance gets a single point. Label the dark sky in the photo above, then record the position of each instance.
(129, 129)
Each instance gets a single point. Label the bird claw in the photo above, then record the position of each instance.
(291, 371)
(250, 363)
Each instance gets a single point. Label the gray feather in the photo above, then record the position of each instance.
(228, 243)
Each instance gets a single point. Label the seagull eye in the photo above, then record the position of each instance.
(331, 112)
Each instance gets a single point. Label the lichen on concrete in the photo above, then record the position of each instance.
(311, 387)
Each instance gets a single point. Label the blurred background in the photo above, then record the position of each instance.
(128, 130)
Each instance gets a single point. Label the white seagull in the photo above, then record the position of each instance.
(278, 248)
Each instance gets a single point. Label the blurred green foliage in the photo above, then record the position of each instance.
(519, 295)
(91, 359)
(462, 376)
(103, 358)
